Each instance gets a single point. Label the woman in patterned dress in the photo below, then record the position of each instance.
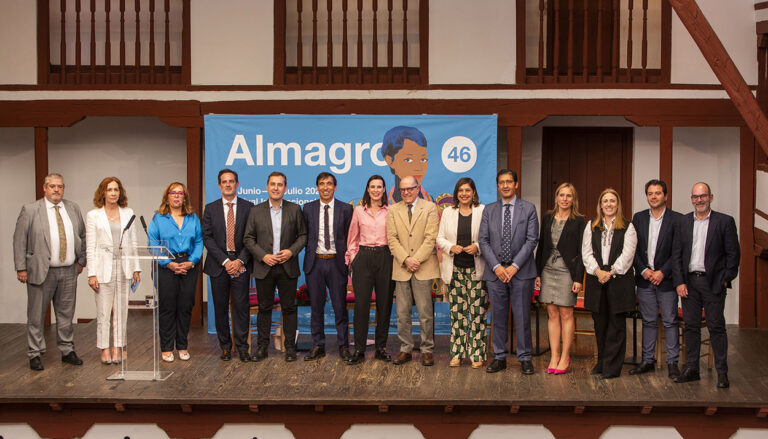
(558, 262)
(462, 269)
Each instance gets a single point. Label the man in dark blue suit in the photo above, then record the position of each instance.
(655, 229)
(509, 231)
(327, 222)
(706, 260)
(228, 264)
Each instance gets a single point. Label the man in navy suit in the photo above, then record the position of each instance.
(327, 222)
(655, 229)
(228, 264)
(706, 260)
(509, 231)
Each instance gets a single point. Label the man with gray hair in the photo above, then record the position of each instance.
(49, 254)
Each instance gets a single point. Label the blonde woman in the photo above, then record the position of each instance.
(105, 229)
(560, 268)
(608, 250)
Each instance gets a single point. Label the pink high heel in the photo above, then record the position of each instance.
(562, 371)
(551, 370)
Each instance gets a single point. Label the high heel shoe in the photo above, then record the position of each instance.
(562, 371)
(455, 362)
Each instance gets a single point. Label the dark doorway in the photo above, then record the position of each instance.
(592, 158)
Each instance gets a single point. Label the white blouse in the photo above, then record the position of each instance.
(623, 263)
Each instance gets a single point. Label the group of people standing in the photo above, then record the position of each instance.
(490, 258)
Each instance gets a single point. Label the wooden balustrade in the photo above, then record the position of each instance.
(596, 41)
(358, 49)
(88, 57)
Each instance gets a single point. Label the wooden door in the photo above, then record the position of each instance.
(592, 158)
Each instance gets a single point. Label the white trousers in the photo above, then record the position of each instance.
(107, 317)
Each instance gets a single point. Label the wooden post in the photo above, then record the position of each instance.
(747, 278)
(666, 139)
(195, 188)
(41, 170)
(723, 67)
(515, 153)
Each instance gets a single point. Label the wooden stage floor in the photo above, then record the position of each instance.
(206, 380)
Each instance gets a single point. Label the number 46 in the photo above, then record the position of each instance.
(462, 154)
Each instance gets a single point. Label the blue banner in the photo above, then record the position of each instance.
(438, 150)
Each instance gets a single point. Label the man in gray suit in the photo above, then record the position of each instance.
(509, 231)
(275, 233)
(49, 253)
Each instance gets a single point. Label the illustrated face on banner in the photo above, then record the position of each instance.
(326, 188)
(410, 160)
(276, 188)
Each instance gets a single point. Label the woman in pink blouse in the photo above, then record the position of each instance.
(370, 263)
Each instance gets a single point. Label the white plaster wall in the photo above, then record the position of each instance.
(645, 165)
(17, 171)
(18, 42)
(143, 152)
(710, 155)
(232, 42)
(472, 42)
(734, 23)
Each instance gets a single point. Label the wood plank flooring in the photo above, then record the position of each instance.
(207, 380)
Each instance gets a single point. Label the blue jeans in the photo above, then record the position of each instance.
(652, 303)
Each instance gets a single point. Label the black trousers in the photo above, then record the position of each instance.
(222, 288)
(372, 270)
(286, 290)
(176, 294)
(611, 336)
(700, 296)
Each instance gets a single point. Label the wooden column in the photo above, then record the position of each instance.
(41, 170)
(747, 278)
(665, 159)
(515, 154)
(195, 188)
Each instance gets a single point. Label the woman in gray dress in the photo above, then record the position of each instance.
(558, 262)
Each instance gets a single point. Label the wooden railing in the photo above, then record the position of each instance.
(594, 41)
(113, 42)
(357, 43)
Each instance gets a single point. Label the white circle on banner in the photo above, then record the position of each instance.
(459, 154)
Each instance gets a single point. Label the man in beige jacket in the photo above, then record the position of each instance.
(411, 232)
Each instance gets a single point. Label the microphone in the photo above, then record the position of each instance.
(130, 221)
(144, 224)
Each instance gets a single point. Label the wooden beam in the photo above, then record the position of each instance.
(666, 137)
(520, 48)
(195, 188)
(41, 159)
(722, 65)
(747, 264)
(515, 154)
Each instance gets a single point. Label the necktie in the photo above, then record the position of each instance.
(62, 235)
(327, 228)
(231, 227)
(410, 213)
(506, 235)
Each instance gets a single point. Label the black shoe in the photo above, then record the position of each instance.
(35, 363)
(315, 353)
(688, 375)
(226, 355)
(260, 355)
(672, 370)
(344, 353)
(526, 367)
(496, 366)
(722, 381)
(383, 355)
(641, 368)
(244, 357)
(290, 355)
(597, 369)
(72, 358)
(356, 358)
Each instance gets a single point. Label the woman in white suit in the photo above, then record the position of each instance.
(462, 269)
(103, 231)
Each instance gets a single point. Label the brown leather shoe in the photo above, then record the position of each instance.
(427, 359)
(402, 357)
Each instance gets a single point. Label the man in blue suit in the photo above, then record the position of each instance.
(229, 265)
(655, 229)
(706, 260)
(327, 222)
(509, 231)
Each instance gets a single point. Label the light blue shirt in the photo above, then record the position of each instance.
(277, 225)
(163, 230)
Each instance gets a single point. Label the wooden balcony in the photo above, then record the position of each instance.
(113, 43)
(594, 43)
(351, 43)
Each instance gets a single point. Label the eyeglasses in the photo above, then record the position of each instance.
(176, 193)
(408, 189)
(699, 197)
